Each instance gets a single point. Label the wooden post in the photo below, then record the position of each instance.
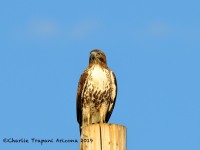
(103, 137)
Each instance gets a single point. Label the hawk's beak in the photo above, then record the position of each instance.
(92, 55)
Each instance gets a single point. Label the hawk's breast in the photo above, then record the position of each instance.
(97, 89)
(99, 77)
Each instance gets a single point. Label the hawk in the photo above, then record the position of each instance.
(97, 91)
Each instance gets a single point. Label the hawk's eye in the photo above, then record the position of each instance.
(101, 59)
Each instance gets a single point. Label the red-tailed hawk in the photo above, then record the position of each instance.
(97, 91)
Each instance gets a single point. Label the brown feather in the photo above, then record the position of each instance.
(78, 96)
(113, 101)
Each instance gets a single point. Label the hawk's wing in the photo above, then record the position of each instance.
(113, 95)
(80, 90)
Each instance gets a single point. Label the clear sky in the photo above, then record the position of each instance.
(152, 46)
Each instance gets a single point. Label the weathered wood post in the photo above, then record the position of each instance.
(103, 136)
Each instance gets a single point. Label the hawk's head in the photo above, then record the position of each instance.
(97, 56)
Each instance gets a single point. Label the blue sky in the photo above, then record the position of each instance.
(152, 46)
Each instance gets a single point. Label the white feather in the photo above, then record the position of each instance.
(113, 86)
(99, 77)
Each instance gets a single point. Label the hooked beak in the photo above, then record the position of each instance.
(92, 55)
